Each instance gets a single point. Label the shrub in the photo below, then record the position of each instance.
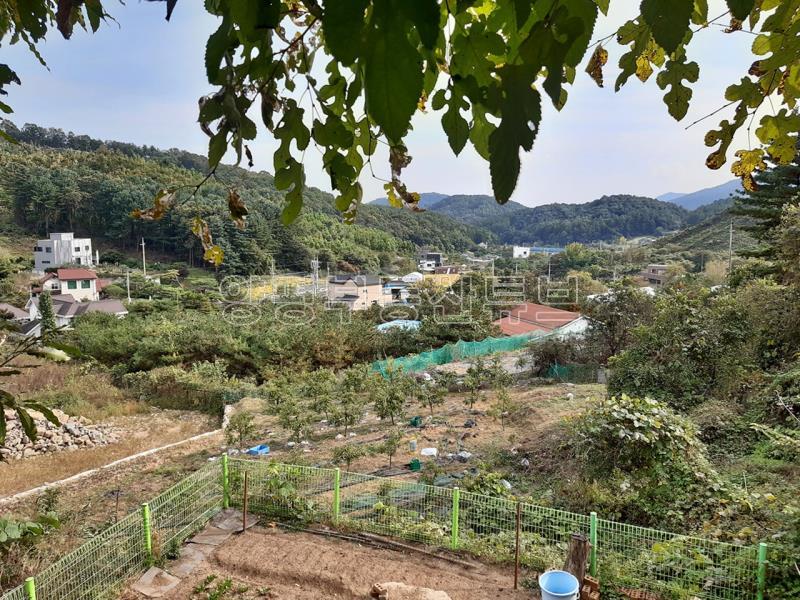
(698, 346)
(631, 433)
(240, 429)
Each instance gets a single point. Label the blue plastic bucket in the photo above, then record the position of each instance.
(558, 585)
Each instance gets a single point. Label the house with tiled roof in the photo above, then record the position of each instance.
(530, 318)
(81, 284)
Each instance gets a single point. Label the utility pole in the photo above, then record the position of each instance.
(730, 249)
(549, 256)
(144, 262)
(128, 283)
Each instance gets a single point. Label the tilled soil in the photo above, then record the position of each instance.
(271, 563)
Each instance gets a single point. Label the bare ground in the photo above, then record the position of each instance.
(270, 563)
(138, 433)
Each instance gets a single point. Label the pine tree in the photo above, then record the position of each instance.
(776, 188)
(46, 314)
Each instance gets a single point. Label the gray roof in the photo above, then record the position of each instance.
(17, 314)
(64, 305)
(30, 327)
(359, 280)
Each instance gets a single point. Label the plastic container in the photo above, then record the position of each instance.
(558, 585)
(259, 450)
(412, 445)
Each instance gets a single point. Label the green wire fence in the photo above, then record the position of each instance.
(634, 560)
(454, 352)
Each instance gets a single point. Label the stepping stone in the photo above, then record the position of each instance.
(212, 536)
(155, 583)
(401, 591)
(231, 520)
(191, 556)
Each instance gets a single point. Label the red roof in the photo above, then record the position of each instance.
(74, 274)
(529, 317)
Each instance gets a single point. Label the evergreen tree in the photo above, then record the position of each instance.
(47, 314)
(776, 188)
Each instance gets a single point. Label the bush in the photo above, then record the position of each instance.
(699, 346)
(545, 354)
(637, 433)
(205, 388)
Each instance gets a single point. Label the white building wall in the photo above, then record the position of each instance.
(79, 292)
(521, 252)
(62, 249)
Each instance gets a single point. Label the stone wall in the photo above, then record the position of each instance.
(74, 433)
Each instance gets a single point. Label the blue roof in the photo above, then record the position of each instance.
(401, 323)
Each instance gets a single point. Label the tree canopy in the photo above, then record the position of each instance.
(347, 75)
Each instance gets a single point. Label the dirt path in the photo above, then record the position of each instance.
(270, 563)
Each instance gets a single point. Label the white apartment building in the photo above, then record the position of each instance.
(62, 249)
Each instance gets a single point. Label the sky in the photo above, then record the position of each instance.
(138, 80)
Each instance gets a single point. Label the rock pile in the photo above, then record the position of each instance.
(73, 434)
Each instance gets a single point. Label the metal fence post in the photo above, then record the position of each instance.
(30, 588)
(593, 542)
(337, 499)
(762, 570)
(148, 534)
(454, 524)
(226, 490)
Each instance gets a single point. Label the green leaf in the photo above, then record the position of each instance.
(392, 74)
(602, 5)
(426, 16)
(740, 9)
(331, 133)
(454, 124)
(28, 426)
(668, 20)
(216, 47)
(677, 98)
(48, 414)
(217, 147)
(522, 112)
(342, 27)
(779, 133)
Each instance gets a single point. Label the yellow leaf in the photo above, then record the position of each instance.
(596, 63)
(214, 255)
(643, 68)
(749, 161)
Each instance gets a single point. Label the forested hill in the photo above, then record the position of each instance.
(57, 181)
(605, 219)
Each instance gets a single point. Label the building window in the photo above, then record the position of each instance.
(72, 285)
(48, 249)
(45, 262)
(77, 248)
(37, 248)
(87, 248)
(85, 284)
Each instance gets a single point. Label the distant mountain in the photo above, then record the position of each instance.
(702, 197)
(479, 210)
(605, 219)
(670, 196)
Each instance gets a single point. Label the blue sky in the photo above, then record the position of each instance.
(139, 81)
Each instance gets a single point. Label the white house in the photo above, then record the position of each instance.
(81, 284)
(62, 249)
(521, 252)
